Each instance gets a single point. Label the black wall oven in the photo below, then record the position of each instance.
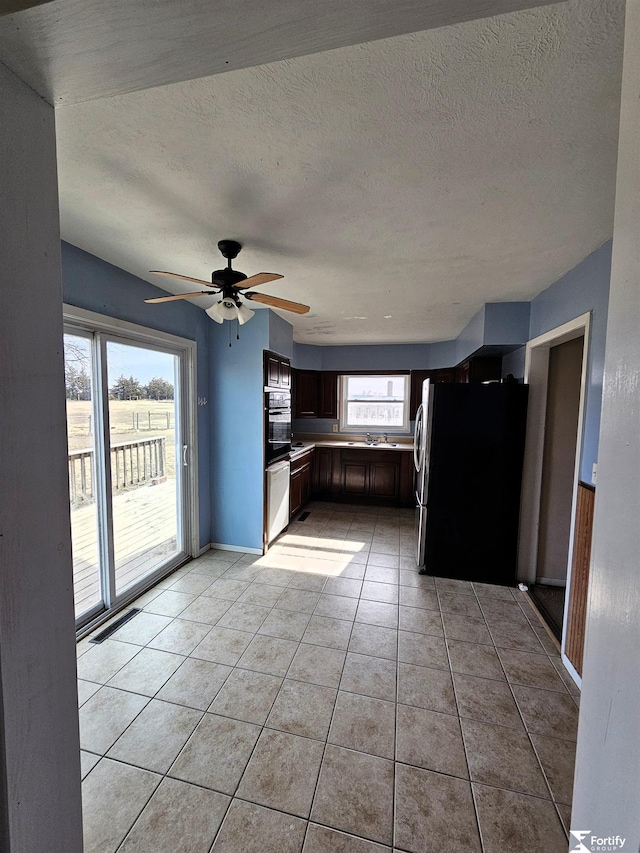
(277, 409)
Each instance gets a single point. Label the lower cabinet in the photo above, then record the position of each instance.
(300, 486)
(382, 477)
(323, 471)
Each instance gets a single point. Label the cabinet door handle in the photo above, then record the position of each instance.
(185, 447)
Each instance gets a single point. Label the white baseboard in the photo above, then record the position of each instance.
(241, 548)
(203, 550)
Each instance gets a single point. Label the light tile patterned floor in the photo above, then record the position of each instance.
(325, 698)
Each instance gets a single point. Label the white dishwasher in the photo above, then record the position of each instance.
(278, 476)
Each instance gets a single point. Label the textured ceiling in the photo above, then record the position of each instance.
(71, 51)
(398, 185)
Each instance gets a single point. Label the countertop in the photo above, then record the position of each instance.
(298, 449)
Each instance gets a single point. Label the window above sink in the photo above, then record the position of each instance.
(376, 403)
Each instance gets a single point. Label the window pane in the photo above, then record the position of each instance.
(145, 490)
(376, 388)
(382, 414)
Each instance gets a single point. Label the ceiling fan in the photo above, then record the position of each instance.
(231, 285)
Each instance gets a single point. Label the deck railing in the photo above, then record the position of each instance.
(133, 463)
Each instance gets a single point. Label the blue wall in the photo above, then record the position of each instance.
(362, 357)
(496, 324)
(95, 285)
(513, 363)
(584, 288)
(280, 335)
(237, 461)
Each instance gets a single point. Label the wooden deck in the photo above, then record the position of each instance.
(144, 525)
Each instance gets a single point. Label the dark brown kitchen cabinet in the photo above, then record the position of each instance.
(382, 477)
(284, 374)
(480, 369)
(442, 374)
(306, 388)
(315, 394)
(300, 486)
(322, 471)
(277, 371)
(328, 402)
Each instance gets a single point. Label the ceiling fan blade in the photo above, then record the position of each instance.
(183, 296)
(276, 302)
(259, 278)
(183, 277)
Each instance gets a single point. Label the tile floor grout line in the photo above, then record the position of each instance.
(326, 742)
(262, 728)
(530, 740)
(473, 790)
(163, 775)
(202, 716)
(462, 737)
(232, 797)
(146, 803)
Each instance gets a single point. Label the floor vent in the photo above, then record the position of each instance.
(303, 516)
(104, 635)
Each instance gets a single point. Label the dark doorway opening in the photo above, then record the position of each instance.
(550, 602)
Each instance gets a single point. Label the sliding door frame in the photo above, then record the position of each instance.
(104, 330)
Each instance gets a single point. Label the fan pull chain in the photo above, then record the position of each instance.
(237, 331)
(229, 334)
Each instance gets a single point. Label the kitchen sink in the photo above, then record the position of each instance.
(372, 444)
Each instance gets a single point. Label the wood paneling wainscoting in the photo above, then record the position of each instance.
(577, 611)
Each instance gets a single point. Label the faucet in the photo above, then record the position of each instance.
(385, 438)
(369, 439)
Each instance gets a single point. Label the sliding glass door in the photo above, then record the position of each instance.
(79, 368)
(144, 421)
(129, 475)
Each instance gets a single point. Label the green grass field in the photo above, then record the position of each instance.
(124, 415)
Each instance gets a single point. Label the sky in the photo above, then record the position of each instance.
(141, 363)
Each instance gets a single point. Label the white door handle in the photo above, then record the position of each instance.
(184, 455)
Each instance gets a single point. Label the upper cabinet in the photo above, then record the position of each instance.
(328, 400)
(478, 369)
(315, 394)
(277, 371)
(284, 374)
(443, 374)
(306, 391)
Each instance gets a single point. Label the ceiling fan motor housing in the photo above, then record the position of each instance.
(227, 278)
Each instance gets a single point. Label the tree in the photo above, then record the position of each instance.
(77, 359)
(126, 388)
(159, 389)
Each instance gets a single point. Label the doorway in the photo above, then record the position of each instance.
(131, 460)
(556, 488)
(556, 371)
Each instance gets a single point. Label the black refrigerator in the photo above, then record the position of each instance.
(469, 449)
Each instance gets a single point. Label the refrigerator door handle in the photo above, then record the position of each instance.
(417, 438)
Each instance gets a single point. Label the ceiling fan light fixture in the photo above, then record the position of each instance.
(214, 312)
(244, 313)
